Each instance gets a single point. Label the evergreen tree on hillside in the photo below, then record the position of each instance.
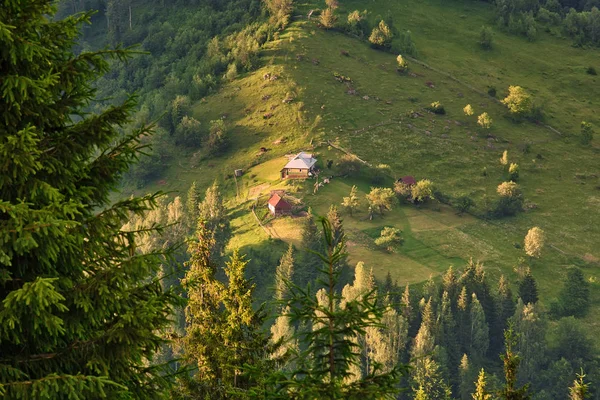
(450, 282)
(329, 340)
(511, 362)
(223, 331)
(580, 389)
(213, 213)
(530, 327)
(574, 297)
(464, 369)
(506, 309)
(309, 262)
(528, 291)
(284, 273)
(480, 390)
(191, 207)
(405, 303)
(282, 337)
(463, 318)
(447, 339)
(479, 329)
(81, 310)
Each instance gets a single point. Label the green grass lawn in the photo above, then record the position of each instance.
(386, 123)
(559, 177)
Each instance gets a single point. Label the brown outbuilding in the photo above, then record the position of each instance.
(278, 206)
(408, 180)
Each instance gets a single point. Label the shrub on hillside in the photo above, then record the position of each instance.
(468, 110)
(357, 24)
(217, 141)
(587, 133)
(378, 173)
(389, 238)
(463, 204)
(518, 101)
(381, 36)
(510, 200)
(188, 132)
(327, 18)
(591, 71)
(437, 108)
(484, 120)
(422, 191)
(404, 44)
(402, 64)
(513, 172)
(485, 38)
(402, 190)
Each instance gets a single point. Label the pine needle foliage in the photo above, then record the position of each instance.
(81, 310)
(329, 342)
(223, 331)
(511, 362)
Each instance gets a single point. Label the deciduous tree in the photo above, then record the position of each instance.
(484, 120)
(468, 110)
(518, 101)
(381, 199)
(351, 203)
(328, 18)
(381, 36)
(422, 190)
(534, 242)
(389, 238)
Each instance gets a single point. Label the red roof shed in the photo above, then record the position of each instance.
(277, 205)
(408, 180)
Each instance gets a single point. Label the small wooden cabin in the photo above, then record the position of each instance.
(278, 206)
(302, 166)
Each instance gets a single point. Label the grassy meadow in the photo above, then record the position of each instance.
(385, 121)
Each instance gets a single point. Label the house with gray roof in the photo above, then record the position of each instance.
(301, 166)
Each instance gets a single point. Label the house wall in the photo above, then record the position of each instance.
(296, 173)
(272, 209)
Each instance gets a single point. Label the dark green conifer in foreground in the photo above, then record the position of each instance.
(81, 313)
(329, 339)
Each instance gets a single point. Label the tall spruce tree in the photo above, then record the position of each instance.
(528, 291)
(323, 365)
(479, 332)
(284, 273)
(309, 262)
(223, 332)
(580, 388)
(574, 297)
(191, 207)
(530, 326)
(506, 309)
(213, 214)
(81, 310)
(465, 385)
(511, 362)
